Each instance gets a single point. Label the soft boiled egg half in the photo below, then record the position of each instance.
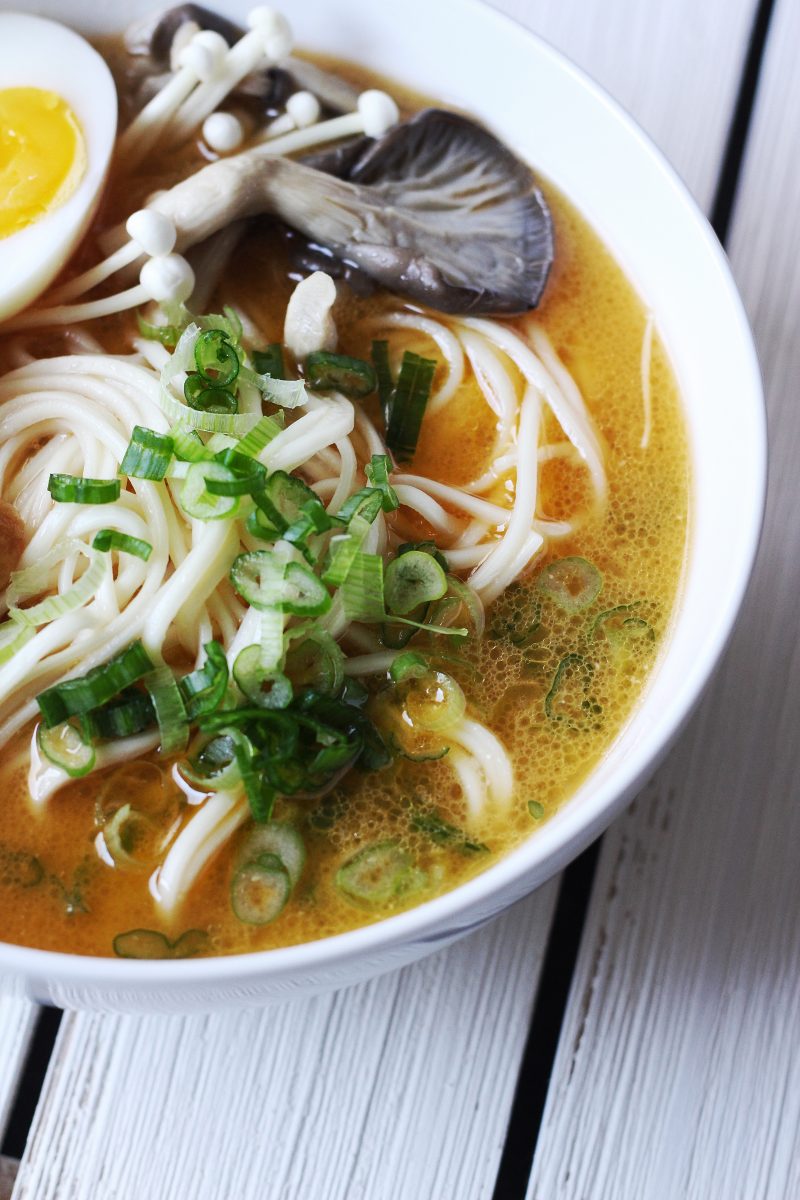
(58, 121)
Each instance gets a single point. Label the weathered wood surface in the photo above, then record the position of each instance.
(400, 1088)
(678, 1066)
(17, 1019)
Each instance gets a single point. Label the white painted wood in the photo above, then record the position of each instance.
(677, 1073)
(17, 1018)
(396, 1089)
(400, 1088)
(674, 66)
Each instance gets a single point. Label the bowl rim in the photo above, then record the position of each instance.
(546, 850)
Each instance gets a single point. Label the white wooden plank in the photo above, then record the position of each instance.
(675, 66)
(17, 1018)
(357, 1094)
(400, 1088)
(677, 1071)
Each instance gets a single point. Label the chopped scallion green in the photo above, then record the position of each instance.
(97, 687)
(72, 489)
(352, 377)
(112, 539)
(148, 454)
(270, 361)
(408, 405)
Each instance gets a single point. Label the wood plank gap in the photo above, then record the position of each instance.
(31, 1082)
(736, 143)
(544, 1031)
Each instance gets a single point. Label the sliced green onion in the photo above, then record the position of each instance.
(413, 579)
(536, 809)
(408, 666)
(362, 590)
(377, 471)
(190, 943)
(570, 698)
(383, 373)
(271, 642)
(227, 322)
(216, 359)
(79, 594)
(343, 549)
(621, 624)
(278, 838)
(443, 833)
(288, 393)
(150, 944)
(469, 598)
(215, 767)
(12, 638)
(313, 520)
(260, 890)
(260, 793)
(408, 405)
(260, 436)
(394, 641)
(98, 686)
(18, 869)
(173, 723)
(378, 874)
(429, 548)
(269, 361)
(267, 689)
(283, 498)
(571, 583)
(72, 489)
(202, 397)
(248, 475)
(65, 746)
(204, 689)
(339, 372)
(188, 445)
(435, 702)
(316, 663)
(167, 335)
(33, 580)
(129, 713)
(258, 526)
(112, 539)
(235, 424)
(142, 943)
(148, 454)
(264, 581)
(198, 502)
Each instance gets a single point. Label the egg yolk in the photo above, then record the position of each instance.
(42, 155)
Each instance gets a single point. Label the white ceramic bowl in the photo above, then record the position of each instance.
(465, 53)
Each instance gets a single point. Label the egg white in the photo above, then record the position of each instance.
(43, 54)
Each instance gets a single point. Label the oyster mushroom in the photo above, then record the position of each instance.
(437, 210)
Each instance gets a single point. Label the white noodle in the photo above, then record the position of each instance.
(203, 835)
(447, 344)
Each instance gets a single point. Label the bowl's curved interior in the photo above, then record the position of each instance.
(576, 136)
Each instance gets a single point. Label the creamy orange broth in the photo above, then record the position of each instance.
(56, 893)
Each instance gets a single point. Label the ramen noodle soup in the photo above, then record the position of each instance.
(344, 510)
